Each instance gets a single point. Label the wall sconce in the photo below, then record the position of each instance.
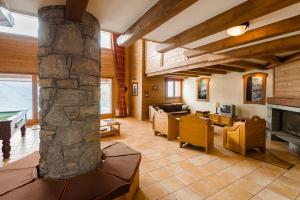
(155, 87)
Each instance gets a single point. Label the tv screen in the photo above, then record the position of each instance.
(226, 109)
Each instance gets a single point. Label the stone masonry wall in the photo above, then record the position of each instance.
(69, 71)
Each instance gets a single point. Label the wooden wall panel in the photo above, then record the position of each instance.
(153, 59)
(174, 56)
(287, 80)
(142, 56)
(136, 76)
(18, 55)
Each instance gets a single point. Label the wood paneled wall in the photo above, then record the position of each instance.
(155, 61)
(287, 80)
(136, 76)
(142, 55)
(18, 55)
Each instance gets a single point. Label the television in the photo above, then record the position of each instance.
(227, 109)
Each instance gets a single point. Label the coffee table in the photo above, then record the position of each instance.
(109, 127)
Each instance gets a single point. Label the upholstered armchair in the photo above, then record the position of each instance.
(245, 135)
(166, 124)
(196, 131)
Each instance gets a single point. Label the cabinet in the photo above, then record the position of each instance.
(221, 119)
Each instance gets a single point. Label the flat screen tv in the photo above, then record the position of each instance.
(227, 109)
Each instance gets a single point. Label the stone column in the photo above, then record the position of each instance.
(69, 71)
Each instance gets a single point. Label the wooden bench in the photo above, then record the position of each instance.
(116, 177)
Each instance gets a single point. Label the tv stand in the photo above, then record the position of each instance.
(225, 120)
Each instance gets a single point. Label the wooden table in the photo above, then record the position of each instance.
(10, 122)
(109, 127)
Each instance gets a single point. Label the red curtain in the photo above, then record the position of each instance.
(119, 57)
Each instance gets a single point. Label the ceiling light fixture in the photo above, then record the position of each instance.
(238, 30)
(6, 19)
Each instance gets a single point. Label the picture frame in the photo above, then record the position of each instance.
(135, 89)
(255, 85)
(203, 89)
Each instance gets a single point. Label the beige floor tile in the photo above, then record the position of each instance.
(237, 193)
(160, 174)
(267, 194)
(219, 196)
(215, 181)
(175, 158)
(172, 184)
(174, 169)
(199, 172)
(187, 194)
(257, 178)
(168, 197)
(187, 178)
(154, 191)
(146, 180)
(249, 186)
(229, 175)
(284, 190)
(203, 188)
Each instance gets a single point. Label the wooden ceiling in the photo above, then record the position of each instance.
(260, 48)
(273, 37)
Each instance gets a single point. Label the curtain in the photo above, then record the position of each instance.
(119, 58)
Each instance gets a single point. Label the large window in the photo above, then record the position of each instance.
(105, 39)
(173, 88)
(16, 93)
(106, 96)
(28, 26)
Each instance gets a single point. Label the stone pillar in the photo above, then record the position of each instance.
(69, 71)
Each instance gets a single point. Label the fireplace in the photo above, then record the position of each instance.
(284, 124)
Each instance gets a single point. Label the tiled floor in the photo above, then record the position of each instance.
(168, 172)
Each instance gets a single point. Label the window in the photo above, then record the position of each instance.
(28, 26)
(106, 96)
(173, 88)
(105, 39)
(16, 93)
(24, 25)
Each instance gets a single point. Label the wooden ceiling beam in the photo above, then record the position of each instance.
(245, 64)
(226, 68)
(271, 59)
(237, 15)
(75, 9)
(161, 12)
(184, 74)
(191, 74)
(278, 28)
(282, 45)
(191, 64)
(292, 57)
(213, 71)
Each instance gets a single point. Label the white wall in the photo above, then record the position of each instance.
(226, 89)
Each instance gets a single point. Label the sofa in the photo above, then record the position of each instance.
(177, 109)
(245, 135)
(196, 131)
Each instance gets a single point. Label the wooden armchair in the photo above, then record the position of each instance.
(196, 131)
(245, 135)
(166, 124)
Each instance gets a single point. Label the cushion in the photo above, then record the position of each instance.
(119, 149)
(46, 189)
(12, 179)
(123, 166)
(97, 185)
